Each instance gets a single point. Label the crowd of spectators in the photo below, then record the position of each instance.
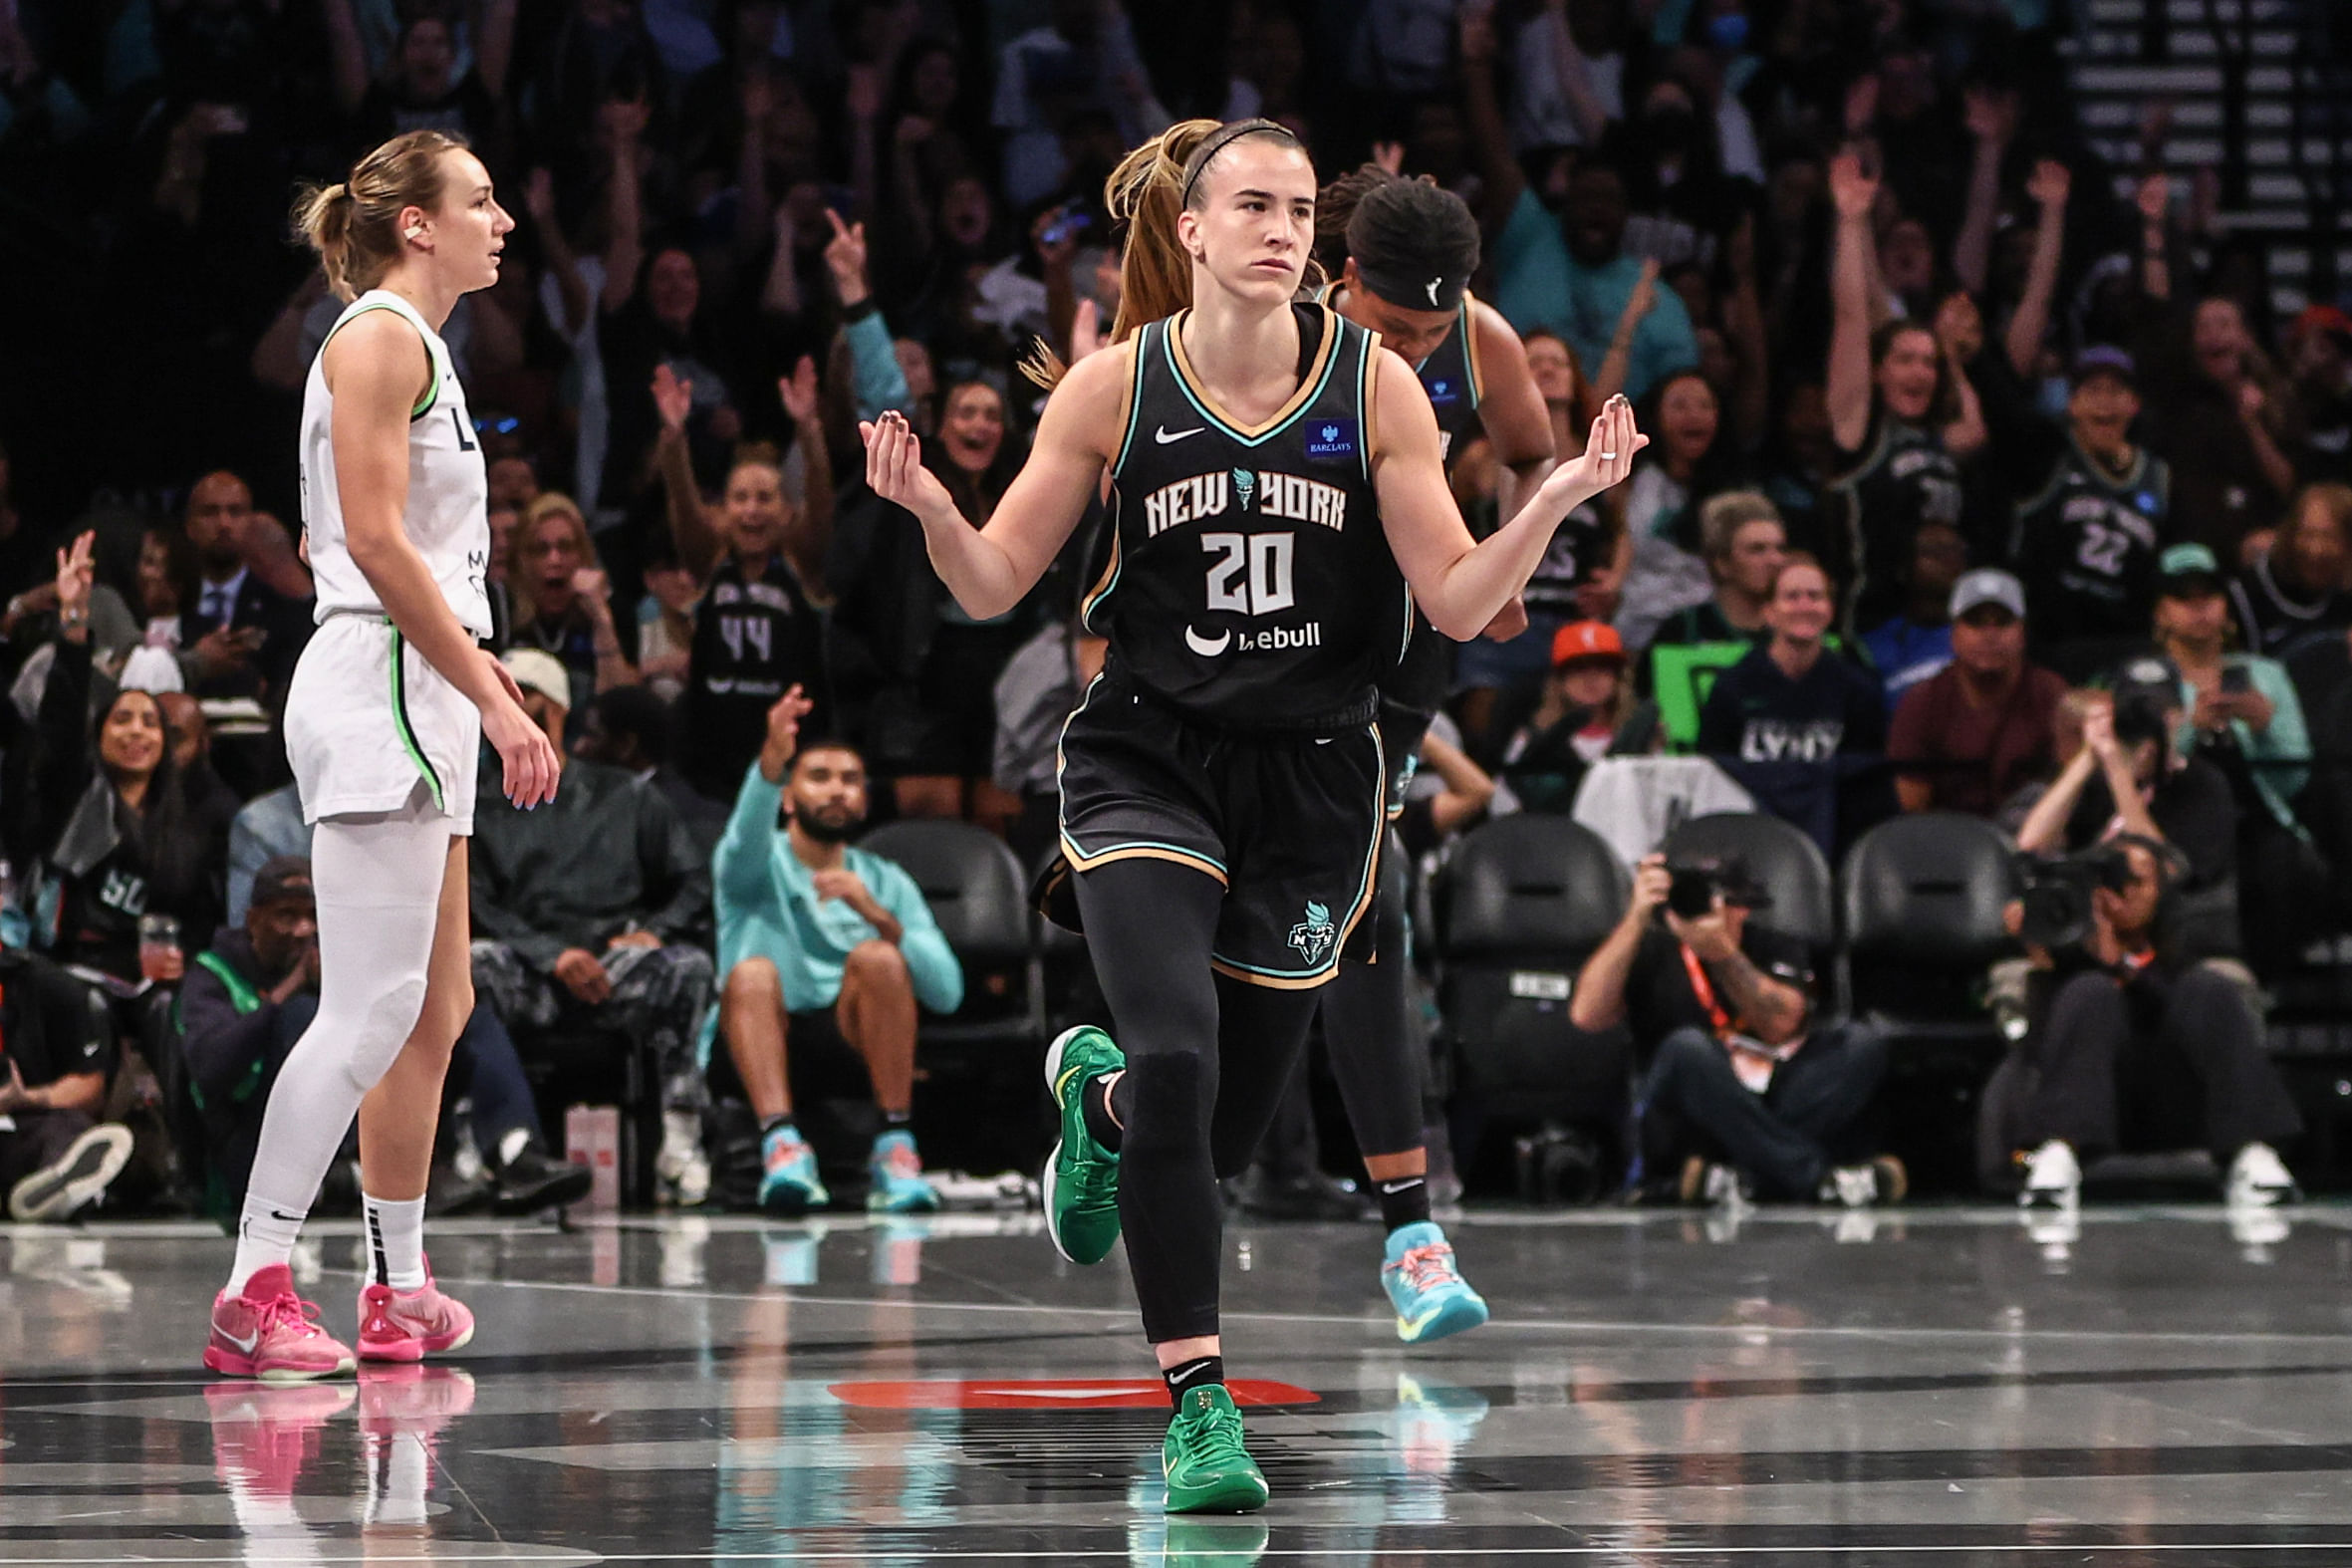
(1951, 420)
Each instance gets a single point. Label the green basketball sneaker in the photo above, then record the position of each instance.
(1081, 1176)
(1208, 1468)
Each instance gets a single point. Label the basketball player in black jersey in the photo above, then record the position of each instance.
(1271, 468)
(1405, 252)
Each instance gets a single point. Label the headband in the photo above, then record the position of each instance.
(1218, 141)
(1418, 292)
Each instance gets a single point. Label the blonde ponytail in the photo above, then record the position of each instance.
(352, 225)
(323, 220)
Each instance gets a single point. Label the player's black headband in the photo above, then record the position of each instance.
(1223, 139)
(1420, 292)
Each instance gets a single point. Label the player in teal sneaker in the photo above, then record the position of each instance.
(1081, 1176)
(1429, 1295)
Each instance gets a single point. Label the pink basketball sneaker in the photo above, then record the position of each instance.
(409, 1325)
(265, 1331)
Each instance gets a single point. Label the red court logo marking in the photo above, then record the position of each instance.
(1008, 1394)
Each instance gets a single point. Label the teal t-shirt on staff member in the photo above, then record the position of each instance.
(768, 907)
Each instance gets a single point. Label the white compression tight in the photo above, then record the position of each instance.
(379, 888)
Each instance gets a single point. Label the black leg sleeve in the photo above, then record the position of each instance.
(1376, 1054)
(1149, 927)
(1261, 1033)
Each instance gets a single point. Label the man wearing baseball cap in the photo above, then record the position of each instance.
(248, 997)
(546, 688)
(2087, 540)
(1980, 729)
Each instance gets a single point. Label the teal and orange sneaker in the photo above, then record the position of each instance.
(788, 1181)
(896, 1181)
(1208, 1470)
(1081, 1178)
(1430, 1297)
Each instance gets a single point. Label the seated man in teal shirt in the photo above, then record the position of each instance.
(829, 948)
(1571, 276)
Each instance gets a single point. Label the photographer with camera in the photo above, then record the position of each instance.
(2131, 1047)
(1737, 1065)
(2131, 776)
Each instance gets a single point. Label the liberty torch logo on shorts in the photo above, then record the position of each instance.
(1314, 935)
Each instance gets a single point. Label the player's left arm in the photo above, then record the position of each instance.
(1461, 584)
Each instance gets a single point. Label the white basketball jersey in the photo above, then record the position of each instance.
(448, 514)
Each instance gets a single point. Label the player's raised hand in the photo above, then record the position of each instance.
(895, 470)
(1607, 458)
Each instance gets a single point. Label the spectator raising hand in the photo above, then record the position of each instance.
(673, 399)
(845, 258)
(799, 394)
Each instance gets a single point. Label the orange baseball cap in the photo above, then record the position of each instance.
(1586, 640)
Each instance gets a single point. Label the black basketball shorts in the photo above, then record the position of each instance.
(1400, 733)
(1290, 824)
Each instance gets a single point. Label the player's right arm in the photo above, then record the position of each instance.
(373, 368)
(989, 570)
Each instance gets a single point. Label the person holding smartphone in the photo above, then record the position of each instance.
(1755, 1093)
(2248, 721)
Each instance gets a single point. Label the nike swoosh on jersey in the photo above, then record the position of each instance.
(1163, 436)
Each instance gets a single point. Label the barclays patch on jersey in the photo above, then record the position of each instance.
(1332, 441)
(1444, 393)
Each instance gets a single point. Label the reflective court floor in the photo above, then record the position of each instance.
(1933, 1387)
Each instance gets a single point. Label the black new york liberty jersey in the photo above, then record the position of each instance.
(1421, 678)
(1250, 582)
(2086, 546)
(1904, 480)
(1451, 377)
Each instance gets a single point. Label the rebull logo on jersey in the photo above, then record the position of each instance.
(1280, 640)
(1315, 936)
(1333, 440)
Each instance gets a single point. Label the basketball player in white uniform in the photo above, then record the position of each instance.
(384, 721)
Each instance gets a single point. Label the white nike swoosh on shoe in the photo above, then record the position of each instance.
(246, 1344)
(1164, 437)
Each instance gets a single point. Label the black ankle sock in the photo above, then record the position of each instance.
(1095, 1101)
(1404, 1202)
(775, 1124)
(1186, 1375)
(897, 1118)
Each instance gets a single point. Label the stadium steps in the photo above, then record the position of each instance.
(2285, 171)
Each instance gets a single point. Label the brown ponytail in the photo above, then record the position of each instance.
(354, 225)
(1146, 192)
